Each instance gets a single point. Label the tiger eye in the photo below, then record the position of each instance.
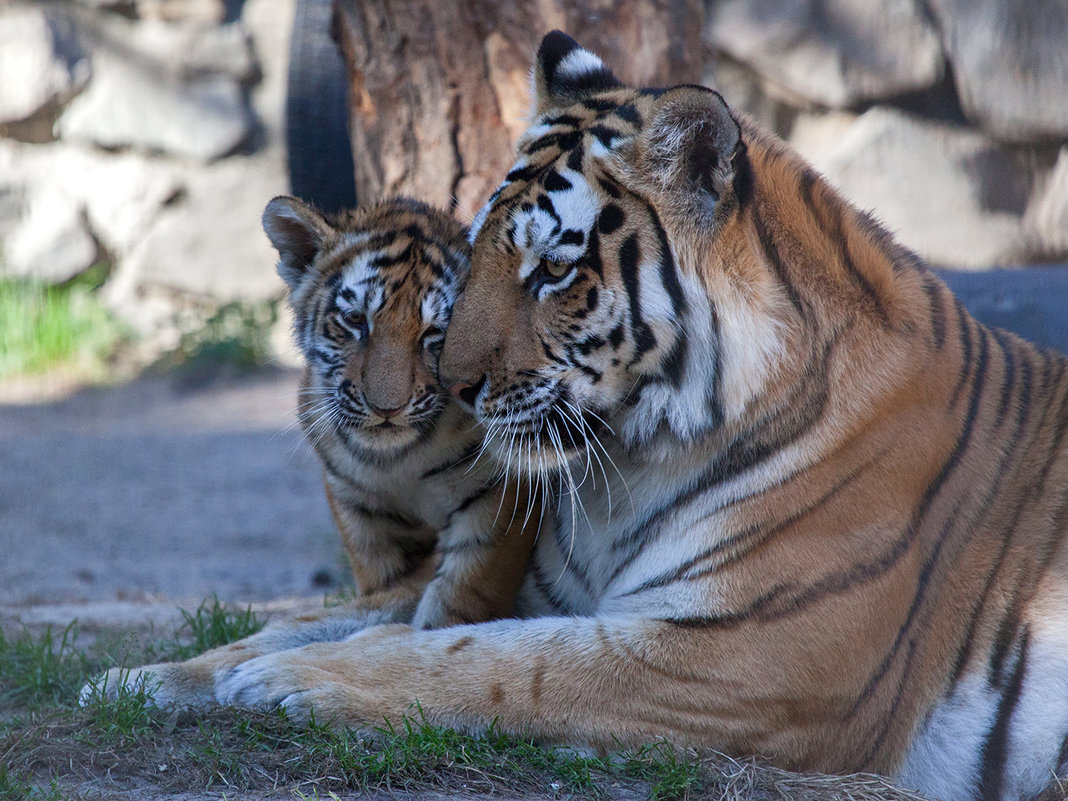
(557, 269)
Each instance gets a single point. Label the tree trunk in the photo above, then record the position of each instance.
(438, 92)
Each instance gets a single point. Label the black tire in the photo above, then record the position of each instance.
(318, 149)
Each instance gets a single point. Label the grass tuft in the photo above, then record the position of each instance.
(210, 625)
(43, 327)
(42, 669)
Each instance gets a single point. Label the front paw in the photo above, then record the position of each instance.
(261, 683)
(293, 682)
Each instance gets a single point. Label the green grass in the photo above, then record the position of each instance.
(47, 734)
(45, 327)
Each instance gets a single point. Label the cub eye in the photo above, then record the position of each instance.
(433, 340)
(557, 269)
(354, 321)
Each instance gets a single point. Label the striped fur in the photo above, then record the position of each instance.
(818, 511)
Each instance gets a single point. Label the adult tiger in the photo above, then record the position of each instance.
(833, 529)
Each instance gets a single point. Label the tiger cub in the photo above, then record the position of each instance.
(372, 290)
(434, 534)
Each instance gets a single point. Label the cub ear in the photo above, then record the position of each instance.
(689, 145)
(297, 232)
(565, 72)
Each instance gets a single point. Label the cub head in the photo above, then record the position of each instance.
(577, 314)
(371, 290)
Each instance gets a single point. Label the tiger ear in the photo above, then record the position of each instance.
(297, 232)
(689, 145)
(565, 72)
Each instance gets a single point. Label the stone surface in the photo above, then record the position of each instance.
(835, 53)
(209, 243)
(128, 106)
(204, 12)
(117, 194)
(182, 50)
(41, 61)
(263, 19)
(1046, 218)
(52, 242)
(1010, 63)
(949, 193)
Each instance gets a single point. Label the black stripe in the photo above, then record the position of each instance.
(743, 542)
(564, 549)
(467, 454)
(669, 276)
(629, 254)
(771, 251)
(965, 328)
(384, 514)
(547, 588)
(1008, 377)
(835, 233)
(996, 748)
(1022, 417)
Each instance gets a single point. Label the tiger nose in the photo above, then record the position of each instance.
(467, 394)
(385, 413)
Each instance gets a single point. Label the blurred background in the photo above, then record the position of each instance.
(141, 139)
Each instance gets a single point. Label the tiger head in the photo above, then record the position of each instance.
(582, 310)
(371, 290)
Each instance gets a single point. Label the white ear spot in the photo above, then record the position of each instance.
(577, 63)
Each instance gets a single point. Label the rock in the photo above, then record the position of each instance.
(183, 50)
(1046, 218)
(209, 243)
(116, 194)
(949, 193)
(52, 243)
(1010, 63)
(41, 61)
(203, 12)
(127, 106)
(835, 53)
(268, 95)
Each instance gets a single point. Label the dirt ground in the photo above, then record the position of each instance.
(120, 504)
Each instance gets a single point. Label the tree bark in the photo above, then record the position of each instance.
(439, 91)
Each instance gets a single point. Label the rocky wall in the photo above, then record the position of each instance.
(147, 134)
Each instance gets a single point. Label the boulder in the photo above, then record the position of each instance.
(202, 12)
(182, 50)
(116, 195)
(209, 242)
(1046, 218)
(1010, 63)
(268, 95)
(951, 194)
(129, 106)
(52, 242)
(835, 53)
(41, 61)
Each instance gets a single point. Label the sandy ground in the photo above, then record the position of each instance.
(119, 504)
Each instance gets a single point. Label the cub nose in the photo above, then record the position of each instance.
(467, 394)
(385, 413)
